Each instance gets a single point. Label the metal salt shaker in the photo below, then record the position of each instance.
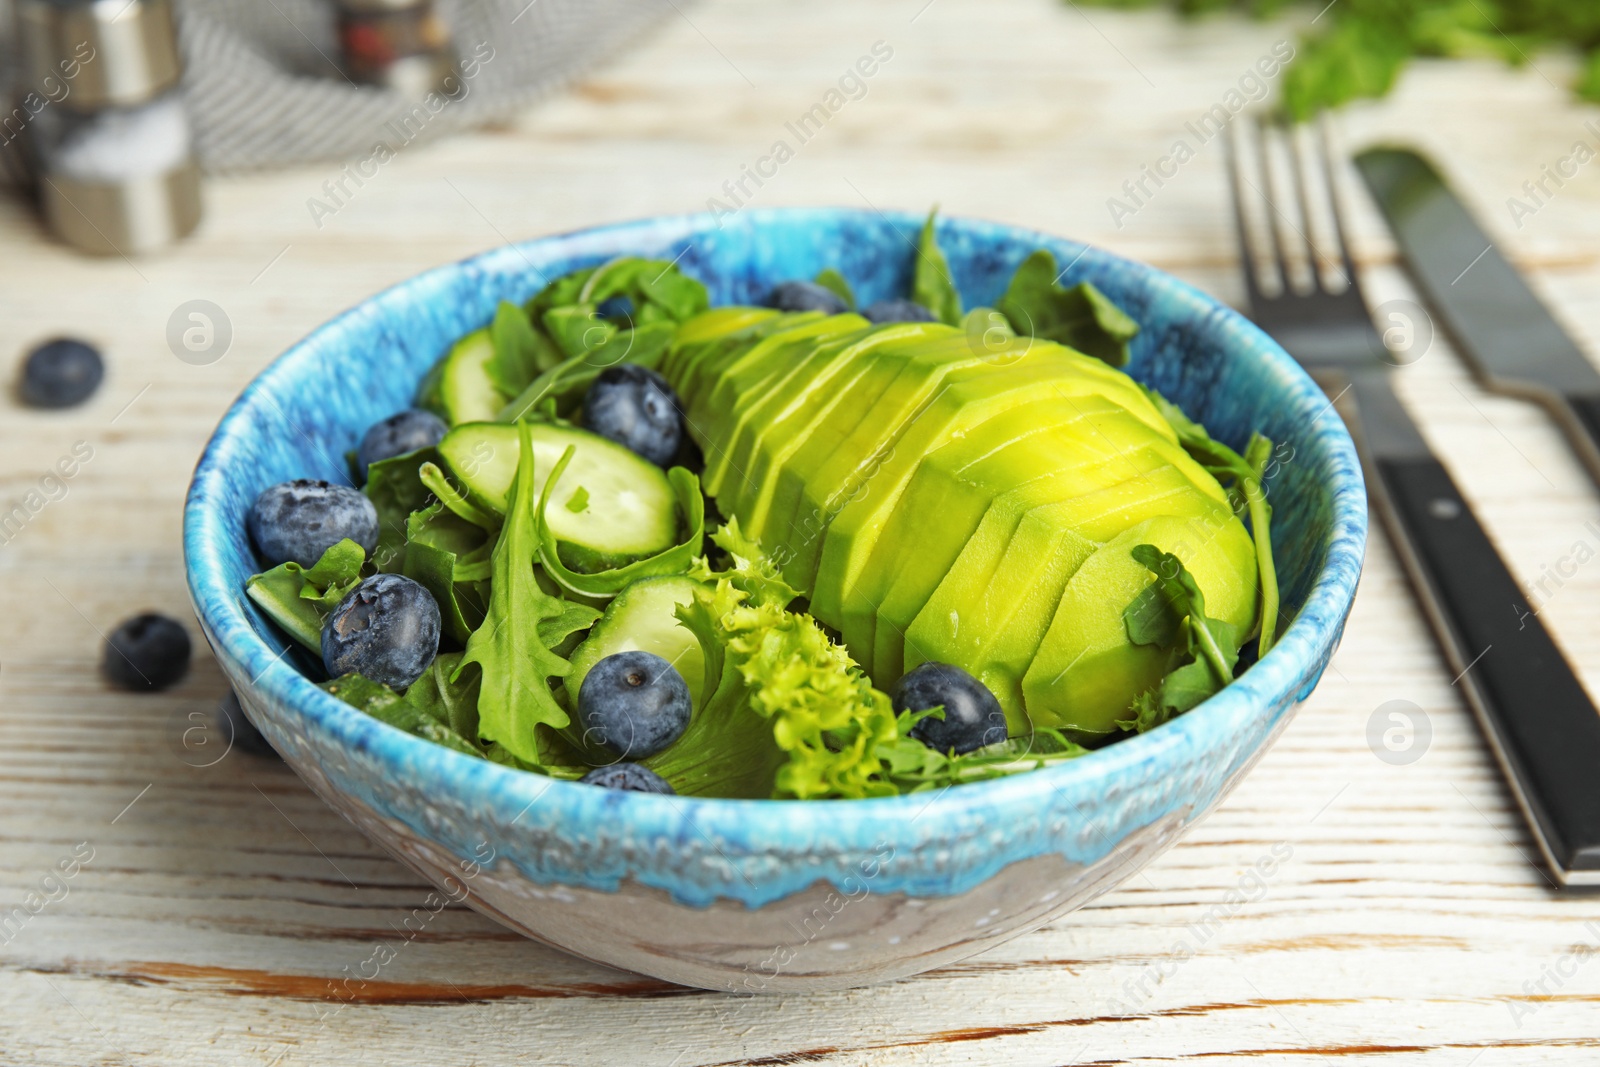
(109, 139)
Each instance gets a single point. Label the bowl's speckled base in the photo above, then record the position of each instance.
(767, 896)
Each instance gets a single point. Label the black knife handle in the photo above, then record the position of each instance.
(1585, 411)
(1550, 742)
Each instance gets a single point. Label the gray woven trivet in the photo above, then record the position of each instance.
(264, 87)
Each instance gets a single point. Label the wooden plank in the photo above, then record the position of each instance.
(225, 910)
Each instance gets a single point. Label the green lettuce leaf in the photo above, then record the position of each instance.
(424, 711)
(452, 559)
(521, 352)
(1244, 477)
(790, 715)
(1081, 318)
(1170, 614)
(836, 284)
(914, 767)
(299, 598)
(522, 625)
(931, 285)
(395, 488)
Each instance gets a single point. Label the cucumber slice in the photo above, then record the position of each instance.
(610, 505)
(458, 388)
(642, 618)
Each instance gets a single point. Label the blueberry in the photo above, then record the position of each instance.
(61, 373)
(146, 653)
(635, 407)
(302, 519)
(806, 296)
(897, 311)
(633, 704)
(385, 629)
(397, 435)
(241, 732)
(628, 776)
(972, 716)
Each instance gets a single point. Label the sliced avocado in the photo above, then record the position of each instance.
(813, 477)
(709, 340)
(992, 626)
(1085, 669)
(956, 483)
(703, 376)
(916, 577)
(844, 391)
(643, 618)
(775, 367)
(967, 394)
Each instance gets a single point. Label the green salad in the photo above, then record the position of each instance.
(801, 550)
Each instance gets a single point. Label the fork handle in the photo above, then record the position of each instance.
(1540, 721)
(1582, 423)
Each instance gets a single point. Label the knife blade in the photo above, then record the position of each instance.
(1507, 335)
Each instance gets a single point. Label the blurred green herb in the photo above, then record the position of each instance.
(1357, 48)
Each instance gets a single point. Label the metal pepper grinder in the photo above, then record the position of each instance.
(110, 143)
(401, 45)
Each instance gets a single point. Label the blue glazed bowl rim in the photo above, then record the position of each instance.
(1276, 680)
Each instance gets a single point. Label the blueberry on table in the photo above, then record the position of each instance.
(302, 519)
(972, 716)
(386, 629)
(61, 373)
(806, 296)
(633, 704)
(897, 310)
(241, 732)
(146, 653)
(635, 407)
(397, 435)
(630, 777)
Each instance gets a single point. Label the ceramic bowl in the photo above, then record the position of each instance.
(765, 896)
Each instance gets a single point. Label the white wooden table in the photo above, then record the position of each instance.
(222, 905)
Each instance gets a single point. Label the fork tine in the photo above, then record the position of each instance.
(1345, 262)
(1247, 259)
(1303, 195)
(1275, 217)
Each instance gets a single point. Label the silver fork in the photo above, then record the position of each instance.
(1543, 727)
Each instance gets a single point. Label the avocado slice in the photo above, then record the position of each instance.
(963, 398)
(813, 430)
(994, 629)
(780, 366)
(956, 483)
(709, 342)
(917, 580)
(1085, 669)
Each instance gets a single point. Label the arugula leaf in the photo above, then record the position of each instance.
(1247, 473)
(395, 488)
(1081, 318)
(433, 476)
(931, 285)
(578, 503)
(1170, 613)
(520, 351)
(566, 383)
(835, 283)
(450, 557)
(608, 583)
(523, 623)
(299, 598)
(444, 697)
(425, 718)
(914, 767)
